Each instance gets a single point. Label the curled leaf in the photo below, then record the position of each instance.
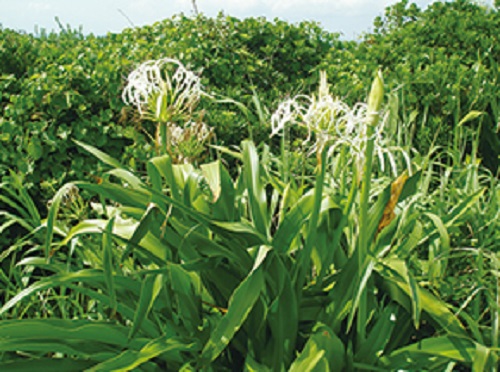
(388, 215)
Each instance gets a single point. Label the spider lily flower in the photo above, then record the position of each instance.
(163, 90)
(332, 123)
(187, 144)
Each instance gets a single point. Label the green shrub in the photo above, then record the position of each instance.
(60, 86)
(444, 59)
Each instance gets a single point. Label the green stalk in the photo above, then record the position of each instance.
(304, 259)
(339, 173)
(284, 156)
(163, 138)
(496, 312)
(335, 244)
(374, 104)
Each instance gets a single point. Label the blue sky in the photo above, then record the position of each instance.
(350, 17)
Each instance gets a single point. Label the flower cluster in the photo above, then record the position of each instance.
(163, 89)
(186, 143)
(167, 93)
(331, 124)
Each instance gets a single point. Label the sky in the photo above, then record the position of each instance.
(349, 17)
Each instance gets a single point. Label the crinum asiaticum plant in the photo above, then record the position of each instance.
(167, 93)
(356, 135)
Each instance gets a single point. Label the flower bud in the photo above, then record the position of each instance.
(376, 96)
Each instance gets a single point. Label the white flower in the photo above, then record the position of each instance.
(162, 89)
(332, 123)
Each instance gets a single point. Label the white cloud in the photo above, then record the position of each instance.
(345, 7)
(235, 6)
(99, 16)
(39, 5)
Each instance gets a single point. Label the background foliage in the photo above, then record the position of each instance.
(441, 62)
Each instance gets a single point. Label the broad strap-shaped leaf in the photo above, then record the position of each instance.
(282, 313)
(53, 211)
(255, 188)
(59, 330)
(243, 232)
(361, 283)
(233, 246)
(378, 337)
(240, 305)
(222, 190)
(150, 289)
(102, 156)
(401, 291)
(91, 276)
(185, 299)
(125, 310)
(324, 351)
(168, 348)
(146, 225)
(107, 261)
(46, 364)
(251, 365)
(138, 198)
(127, 177)
(292, 223)
(424, 353)
(303, 261)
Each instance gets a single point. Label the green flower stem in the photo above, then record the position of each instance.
(284, 155)
(304, 259)
(163, 138)
(374, 105)
(495, 309)
(338, 231)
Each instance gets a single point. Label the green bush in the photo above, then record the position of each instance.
(63, 85)
(444, 59)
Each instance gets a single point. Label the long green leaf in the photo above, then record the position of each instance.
(419, 355)
(167, 347)
(46, 364)
(324, 351)
(151, 287)
(222, 189)
(378, 337)
(186, 297)
(51, 219)
(240, 305)
(282, 313)
(62, 330)
(256, 190)
(102, 156)
(91, 276)
(401, 292)
(107, 248)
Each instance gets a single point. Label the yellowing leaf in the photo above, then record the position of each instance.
(388, 215)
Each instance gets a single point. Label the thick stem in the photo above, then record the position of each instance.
(304, 259)
(284, 156)
(163, 138)
(374, 105)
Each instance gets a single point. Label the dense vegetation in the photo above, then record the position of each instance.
(253, 215)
